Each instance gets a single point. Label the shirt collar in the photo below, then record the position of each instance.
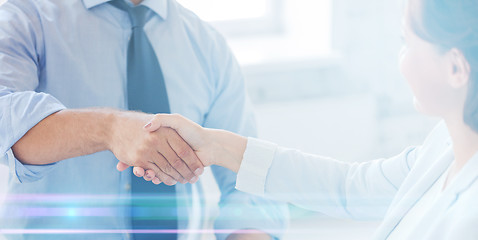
(160, 7)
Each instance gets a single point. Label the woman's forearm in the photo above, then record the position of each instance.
(212, 146)
(228, 148)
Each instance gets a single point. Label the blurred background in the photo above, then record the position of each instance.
(323, 76)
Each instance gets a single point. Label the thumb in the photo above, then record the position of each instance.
(161, 120)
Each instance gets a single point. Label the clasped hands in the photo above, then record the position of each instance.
(171, 149)
(167, 149)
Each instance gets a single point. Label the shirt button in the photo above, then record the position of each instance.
(127, 187)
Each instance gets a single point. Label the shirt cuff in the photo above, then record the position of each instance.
(23, 173)
(255, 165)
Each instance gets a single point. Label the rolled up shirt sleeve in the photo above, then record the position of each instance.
(20, 111)
(21, 108)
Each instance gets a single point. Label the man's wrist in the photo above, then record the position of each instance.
(108, 123)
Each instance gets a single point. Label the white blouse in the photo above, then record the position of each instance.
(417, 213)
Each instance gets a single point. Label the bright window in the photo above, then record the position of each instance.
(227, 10)
(236, 18)
(266, 31)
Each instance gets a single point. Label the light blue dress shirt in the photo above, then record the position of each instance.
(57, 54)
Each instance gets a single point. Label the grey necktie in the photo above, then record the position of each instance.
(153, 207)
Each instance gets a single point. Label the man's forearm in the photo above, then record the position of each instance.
(66, 134)
(72, 133)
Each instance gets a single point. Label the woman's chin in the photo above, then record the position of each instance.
(428, 111)
(417, 105)
(420, 108)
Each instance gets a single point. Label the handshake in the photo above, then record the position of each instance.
(170, 148)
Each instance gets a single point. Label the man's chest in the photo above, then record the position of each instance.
(85, 65)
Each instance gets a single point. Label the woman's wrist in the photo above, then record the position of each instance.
(227, 148)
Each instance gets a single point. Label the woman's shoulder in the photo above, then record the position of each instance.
(438, 139)
(436, 144)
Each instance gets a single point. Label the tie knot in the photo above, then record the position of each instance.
(137, 14)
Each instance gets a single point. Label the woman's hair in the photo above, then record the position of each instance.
(451, 24)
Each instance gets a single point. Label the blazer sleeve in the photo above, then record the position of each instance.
(340, 189)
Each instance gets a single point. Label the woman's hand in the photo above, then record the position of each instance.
(197, 137)
(212, 147)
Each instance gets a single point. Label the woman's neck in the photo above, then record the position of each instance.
(465, 145)
(465, 141)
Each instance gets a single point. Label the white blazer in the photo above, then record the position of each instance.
(382, 189)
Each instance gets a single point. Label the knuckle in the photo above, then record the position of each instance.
(151, 140)
(160, 175)
(167, 169)
(184, 153)
(177, 163)
(165, 178)
(175, 175)
(140, 152)
(168, 131)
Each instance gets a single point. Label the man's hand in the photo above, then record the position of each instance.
(164, 152)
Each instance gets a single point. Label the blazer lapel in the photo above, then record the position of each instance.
(428, 227)
(410, 198)
(466, 177)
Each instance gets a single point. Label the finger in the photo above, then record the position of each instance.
(138, 171)
(149, 175)
(121, 166)
(177, 163)
(162, 176)
(162, 163)
(187, 154)
(156, 181)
